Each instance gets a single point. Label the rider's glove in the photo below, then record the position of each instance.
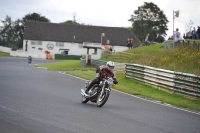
(115, 81)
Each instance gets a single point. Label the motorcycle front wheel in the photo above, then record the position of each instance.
(101, 100)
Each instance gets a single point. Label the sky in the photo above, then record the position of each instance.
(108, 13)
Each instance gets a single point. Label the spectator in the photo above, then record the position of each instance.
(147, 42)
(106, 47)
(128, 43)
(198, 32)
(131, 43)
(110, 50)
(29, 60)
(177, 36)
(194, 33)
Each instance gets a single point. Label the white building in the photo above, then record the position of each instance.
(74, 39)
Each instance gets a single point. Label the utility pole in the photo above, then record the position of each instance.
(176, 15)
(173, 23)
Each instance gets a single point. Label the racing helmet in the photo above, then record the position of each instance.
(110, 65)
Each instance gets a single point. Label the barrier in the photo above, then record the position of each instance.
(188, 44)
(95, 63)
(184, 84)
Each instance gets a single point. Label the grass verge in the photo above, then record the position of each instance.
(66, 65)
(178, 59)
(4, 54)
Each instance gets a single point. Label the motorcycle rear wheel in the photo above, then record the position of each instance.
(103, 99)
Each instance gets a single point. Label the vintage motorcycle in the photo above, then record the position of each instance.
(99, 93)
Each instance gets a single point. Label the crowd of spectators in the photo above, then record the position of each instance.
(193, 34)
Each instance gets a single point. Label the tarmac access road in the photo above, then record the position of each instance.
(35, 100)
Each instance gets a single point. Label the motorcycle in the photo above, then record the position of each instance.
(99, 93)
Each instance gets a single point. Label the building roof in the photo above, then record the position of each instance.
(44, 31)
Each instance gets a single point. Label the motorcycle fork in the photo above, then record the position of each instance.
(102, 91)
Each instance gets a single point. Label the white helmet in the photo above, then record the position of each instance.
(110, 65)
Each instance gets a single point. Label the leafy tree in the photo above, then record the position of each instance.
(148, 18)
(70, 22)
(35, 17)
(7, 32)
(12, 31)
(29, 17)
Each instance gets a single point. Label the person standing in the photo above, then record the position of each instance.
(198, 32)
(106, 47)
(194, 33)
(29, 60)
(128, 43)
(131, 43)
(110, 50)
(177, 36)
(147, 42)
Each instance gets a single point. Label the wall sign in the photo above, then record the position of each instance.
(50, 46)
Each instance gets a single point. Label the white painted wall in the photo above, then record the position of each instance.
(74, 48)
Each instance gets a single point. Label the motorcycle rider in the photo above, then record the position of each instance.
(101, 71)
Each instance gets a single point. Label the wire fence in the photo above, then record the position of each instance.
(188, 44)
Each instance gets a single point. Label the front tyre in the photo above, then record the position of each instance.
(83, 99)
(101, 100)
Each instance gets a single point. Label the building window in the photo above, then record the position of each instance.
(36, 43)
(33, 42)
(39, 42)
(59, 44)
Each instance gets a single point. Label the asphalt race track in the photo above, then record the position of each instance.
(35, 100)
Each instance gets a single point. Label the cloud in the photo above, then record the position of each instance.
(102, 13)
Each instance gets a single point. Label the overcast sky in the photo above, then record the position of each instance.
(109, 13)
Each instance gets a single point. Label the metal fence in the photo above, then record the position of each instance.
(95, 63)
(181, 83)
(188, 44)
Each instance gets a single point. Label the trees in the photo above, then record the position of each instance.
(12, 31)
(8, 32)
(188, 26)
(148, 18)
(71, 22)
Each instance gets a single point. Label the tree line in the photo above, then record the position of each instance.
(148, 18)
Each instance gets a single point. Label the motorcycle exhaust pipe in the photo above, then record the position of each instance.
(84, 94)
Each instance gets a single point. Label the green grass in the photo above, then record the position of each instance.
(4, 54)
(66, 65)
(179, 60)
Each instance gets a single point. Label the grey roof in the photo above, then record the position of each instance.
(83, 33)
